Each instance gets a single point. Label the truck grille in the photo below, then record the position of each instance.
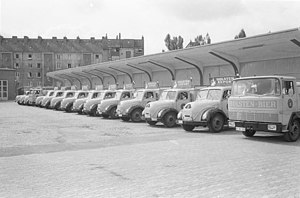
(260, 117)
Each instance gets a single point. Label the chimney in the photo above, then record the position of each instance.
(14, 39)
(26, 39)
(92, 39)
(65, 38)
(40, 39)
(1, 38)
(120, 36)
(54, 38)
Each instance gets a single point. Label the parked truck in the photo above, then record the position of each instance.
(209, 109)
(266, 104)
(67, 103)
(108, 108)
(132, 109)
(79, 103)
(171, 101)
(90, 106)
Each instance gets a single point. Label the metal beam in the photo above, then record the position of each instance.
(228, 58)
(68, 79)
(80, 84)
(148, 72)
(128, 73)
(98, 76)
(110, 74)
(90, 81)
(169, 68)
(198, 67)
(59, 79)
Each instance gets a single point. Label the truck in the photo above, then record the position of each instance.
(90, 106)
(132, 109)
(266, 104)
(67, 103)
(79, 103)
(56, 102)
(108, 108)
(171, 101)
(47, 100)
(209, 109)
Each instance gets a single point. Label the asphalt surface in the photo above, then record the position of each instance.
(46, 153)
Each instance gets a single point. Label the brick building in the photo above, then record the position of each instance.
(32, 58)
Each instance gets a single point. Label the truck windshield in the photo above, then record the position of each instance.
(109, 95)
(257, 86)
(209, 94)
(168, 95)
(139, 95)
(96, 95)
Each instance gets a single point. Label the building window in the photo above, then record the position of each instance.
(69, 56)
(30, 84)
(57, 65)
(17, 65)
(128, 54)
(29, 56)
(97, 56)
(17, 74)
(30, 65)
(17, 56)
(38, 75)
(38, 65)
(39, 83)
(58, 56)
(69, 65)
(29, 75)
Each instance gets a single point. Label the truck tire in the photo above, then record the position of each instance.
(294, 132)
(151, 123)
(249, 133)
(93, 111)
(113, 113)
(188, 127)
(69, 108)
(216, 123)
(169, 119)
(136, 115)
(125, 119)
(80, 111)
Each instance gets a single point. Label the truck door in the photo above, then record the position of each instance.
(224, 101)
(182, 99)
(289, 102)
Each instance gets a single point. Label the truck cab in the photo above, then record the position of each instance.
(171, 101)
(132, 109)
(79, 102)
(47, 100)
(31, 98)
(67, 103)
(209, 109)
(108, 108)
(56, 102)
(90, 106)
(266, 104)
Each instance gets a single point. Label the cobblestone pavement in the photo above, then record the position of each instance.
(46, 153)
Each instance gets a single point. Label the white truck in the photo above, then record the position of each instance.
(209, 109)
(266, 104)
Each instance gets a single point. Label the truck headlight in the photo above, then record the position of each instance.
(204, 115)
(159, 113)
(147, 105)
(188, 106)
(272, 127)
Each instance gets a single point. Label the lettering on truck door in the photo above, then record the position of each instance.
(289, 99)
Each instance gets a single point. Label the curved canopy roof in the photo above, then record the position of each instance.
(277, 45)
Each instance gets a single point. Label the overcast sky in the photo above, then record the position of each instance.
(153, 19)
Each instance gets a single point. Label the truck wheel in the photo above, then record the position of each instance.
(188, 127)
(249, 133)
(125, 119)
(113, 113)
(105, 115)
(136, 115)
(69, 107)
(169, 119)
(151, 123)
(216, 123)
(294, 132)
(93, 111)
(80, 111)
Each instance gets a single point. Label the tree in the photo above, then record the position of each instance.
(175, 43)
(242, 34)
(200, 40)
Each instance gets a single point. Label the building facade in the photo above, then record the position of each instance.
(32, 58)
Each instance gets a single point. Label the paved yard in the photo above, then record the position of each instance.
(45, 153)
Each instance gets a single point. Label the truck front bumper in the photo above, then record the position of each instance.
(256, 126)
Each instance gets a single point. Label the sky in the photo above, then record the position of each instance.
(153, 19)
